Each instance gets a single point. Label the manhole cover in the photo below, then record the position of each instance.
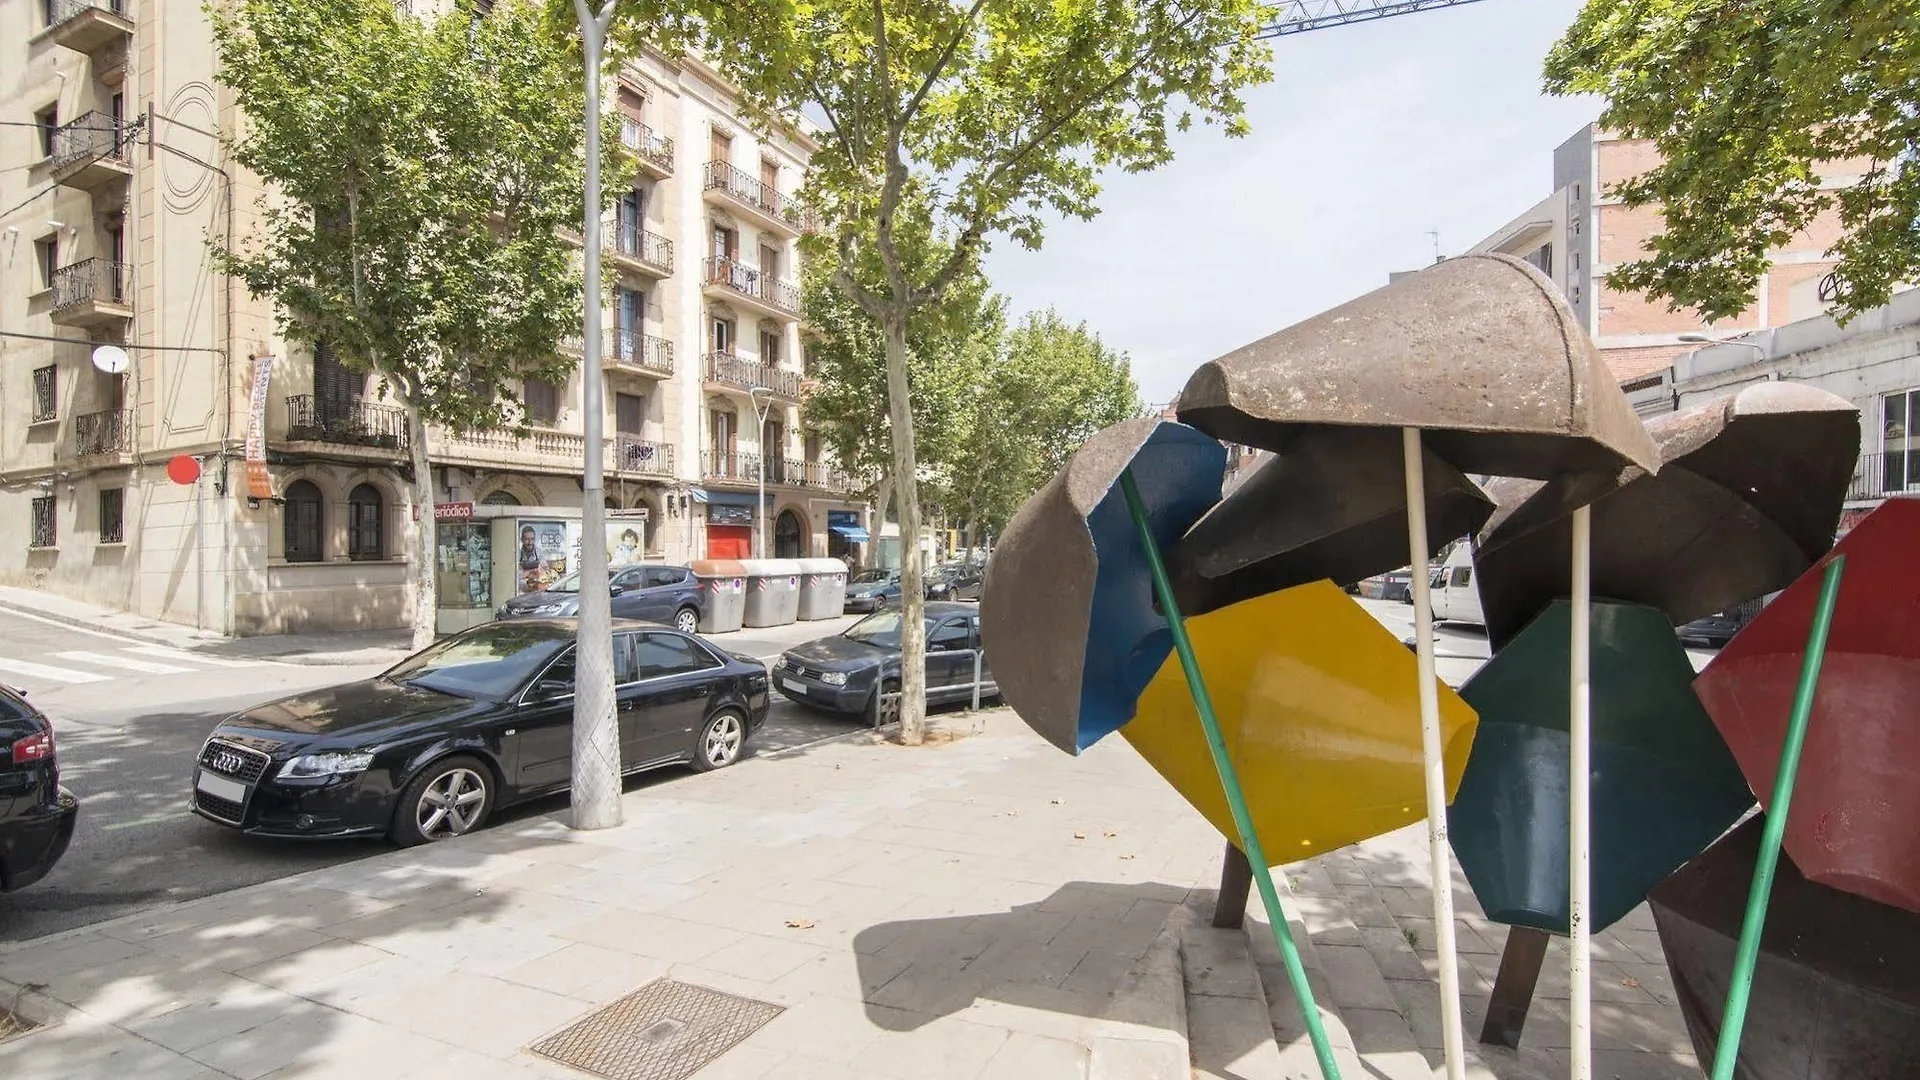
(665, 1030)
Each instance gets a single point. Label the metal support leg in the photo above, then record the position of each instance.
(1513, 986)
(1236, 884)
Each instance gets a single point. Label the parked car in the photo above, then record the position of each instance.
(853, 671)
(37, 815)
(478, 721)
(1396, 585)
(1454, 596)
(650, 592)
(871, 590)
(956, 581)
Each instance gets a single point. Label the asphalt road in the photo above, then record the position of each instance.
(127, 739)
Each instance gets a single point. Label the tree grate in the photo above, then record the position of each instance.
(666, 1030)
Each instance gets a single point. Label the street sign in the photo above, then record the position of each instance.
(183, 469)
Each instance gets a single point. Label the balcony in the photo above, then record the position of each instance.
(653, 150)
(88, 26)
(731, 372)
(539, 450)
(347, 423)
(641, 251)
(641, 354)
(93, 293)
(731, 467)
(103, 434)
(735, 467)
(734, 189)
(728, 279)
(818, 475)
(1883, 476)
(92, 152)
(630, 455)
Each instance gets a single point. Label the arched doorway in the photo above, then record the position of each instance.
(500, 498)
(789, 538)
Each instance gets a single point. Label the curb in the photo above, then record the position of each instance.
(1142, 1033)
(83, 624)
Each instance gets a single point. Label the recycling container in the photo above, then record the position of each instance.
(823, 588)
(773, 591)
(723, 594)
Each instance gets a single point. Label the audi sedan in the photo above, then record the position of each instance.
(37, 815)
(479, 721)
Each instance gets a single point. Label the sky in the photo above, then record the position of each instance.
(1369, 137)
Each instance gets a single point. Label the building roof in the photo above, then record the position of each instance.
(1635, 362)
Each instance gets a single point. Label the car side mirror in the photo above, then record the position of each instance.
(616, 590)
(550, 690)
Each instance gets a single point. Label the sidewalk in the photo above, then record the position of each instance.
(962, 910)
(341, 648)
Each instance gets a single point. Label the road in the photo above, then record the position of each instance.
(129, 718)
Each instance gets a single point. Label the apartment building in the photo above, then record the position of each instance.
(116, 190)
(1579, 232)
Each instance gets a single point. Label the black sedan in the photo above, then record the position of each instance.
(470, 724)
(37, 815)
(856, 671)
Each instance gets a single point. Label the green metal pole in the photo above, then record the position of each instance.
(1735, 1017)
(1230, 782)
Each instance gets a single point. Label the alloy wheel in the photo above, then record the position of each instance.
(723, 739)
(451, 805)
(687, 621)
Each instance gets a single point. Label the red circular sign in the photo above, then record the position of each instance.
(183, 469)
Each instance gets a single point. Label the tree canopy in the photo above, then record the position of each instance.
(1752, 106)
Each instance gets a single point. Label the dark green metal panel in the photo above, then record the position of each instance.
(1664, 785)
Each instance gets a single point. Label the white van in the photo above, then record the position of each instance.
(1455, 596)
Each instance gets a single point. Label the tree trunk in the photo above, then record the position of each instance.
(906, 497)
(426, 601)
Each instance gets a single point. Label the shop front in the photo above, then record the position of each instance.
(729, 525)
(844, 532)
(486, 555)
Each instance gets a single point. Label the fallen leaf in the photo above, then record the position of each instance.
(1057, 802)
(1078, 835)
(1630, 981)
(1013, 813)
(1110, 833)
(800, 924)
(1126, 856)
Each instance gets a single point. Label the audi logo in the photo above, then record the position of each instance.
(227, 761)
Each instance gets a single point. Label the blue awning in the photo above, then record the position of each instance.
(852, 532)
(699, 494)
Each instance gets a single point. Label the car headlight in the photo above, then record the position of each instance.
(834, 678)
(551, 609)
(308, 766)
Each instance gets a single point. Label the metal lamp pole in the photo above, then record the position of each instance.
(596, 746)
(760, 508)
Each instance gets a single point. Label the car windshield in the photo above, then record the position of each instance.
(882, 628)
(490, 662)
(868, 577)
(568, 584)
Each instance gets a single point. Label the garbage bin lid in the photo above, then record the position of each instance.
(822, 566)
(718, 568)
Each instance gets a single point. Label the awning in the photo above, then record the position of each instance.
(699, 494)
(852, 532)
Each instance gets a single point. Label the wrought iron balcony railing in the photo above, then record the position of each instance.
(754, 284)
(92, 281)
(1879, 476)
(648, 145)
(633, 456)
(731, 465)
(730, 370)
(108, 432)
(347, 423)
(630, 348)
(648, 247)
(758, 194)
(60, 11)
(91, 137)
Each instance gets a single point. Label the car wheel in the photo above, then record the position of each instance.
(721, 741)
(881, 711)
(686, 620)
(449, 798)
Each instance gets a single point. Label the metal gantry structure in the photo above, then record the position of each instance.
(1299, 16)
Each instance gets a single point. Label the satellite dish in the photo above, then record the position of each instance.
(111, 359)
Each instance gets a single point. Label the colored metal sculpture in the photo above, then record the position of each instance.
(1836, 995)
(1747, 497)
(1853, 823)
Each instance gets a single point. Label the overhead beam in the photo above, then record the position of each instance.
(1299, 16)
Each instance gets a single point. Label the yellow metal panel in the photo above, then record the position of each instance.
(1320, 710)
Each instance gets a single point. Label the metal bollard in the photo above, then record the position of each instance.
(976, 680)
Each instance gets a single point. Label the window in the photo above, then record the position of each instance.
(769, 178)
(44, 534)
(1542, 258)
(543, 401)
(1462, 576)
(46, 253)
(560, 672)
(813, 448)
(46, 397)
(111, 514)
(629, 305)
(665, 575)
(48, 121)
(770, 348)
(300, 522)
(365, 524)
(769, 261)
(657, 655)
(623, 669)
(953, 634)
(635, 578)
(720, 149)
(500, 498)
(723, 336)
(628, 412)
(1900, 464)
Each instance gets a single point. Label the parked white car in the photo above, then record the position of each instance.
(1455, 596)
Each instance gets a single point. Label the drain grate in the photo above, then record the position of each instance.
(665, 1030)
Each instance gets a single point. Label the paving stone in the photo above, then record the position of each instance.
(1026, 1056)
(1352, 978)
(940, 1047)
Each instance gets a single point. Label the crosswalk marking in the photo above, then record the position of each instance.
(49, 672)
(165, 653)
(126, 662)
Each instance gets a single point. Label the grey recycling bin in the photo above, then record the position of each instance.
(723, 594)
(773, 591)
(823, 588)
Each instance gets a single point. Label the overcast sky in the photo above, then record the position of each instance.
(1368, 137)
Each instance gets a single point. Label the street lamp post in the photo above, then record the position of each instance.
(596, 745)
(760, 412)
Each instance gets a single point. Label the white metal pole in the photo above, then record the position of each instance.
(1579, 835)
(760, 413)
(1432, 758)
(596, 743)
